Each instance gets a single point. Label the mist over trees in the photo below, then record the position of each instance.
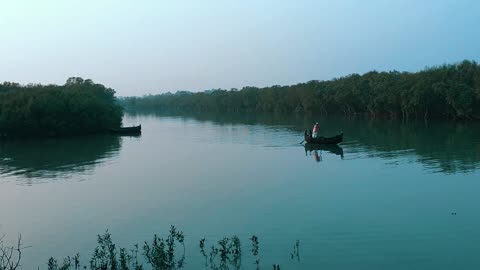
(77, 107)
(448, 91)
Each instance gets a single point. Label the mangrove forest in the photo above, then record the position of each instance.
(77, 107)
(448, 92)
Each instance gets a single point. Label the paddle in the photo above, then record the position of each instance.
(301, 142)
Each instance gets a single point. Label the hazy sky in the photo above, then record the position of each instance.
(140, 47)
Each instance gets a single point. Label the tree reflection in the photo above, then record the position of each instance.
(48, 159)
(448, 147)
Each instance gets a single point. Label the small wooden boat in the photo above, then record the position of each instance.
(324, 140)
(135, 130)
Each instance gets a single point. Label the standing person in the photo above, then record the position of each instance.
(316, 128)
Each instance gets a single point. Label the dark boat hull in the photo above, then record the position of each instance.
(325, 140)
(127, 130)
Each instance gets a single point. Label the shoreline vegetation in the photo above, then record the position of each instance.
(81, 107)
(443, 92)
(163, 253)
(78, 107)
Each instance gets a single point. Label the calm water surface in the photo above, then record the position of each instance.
(384, 200)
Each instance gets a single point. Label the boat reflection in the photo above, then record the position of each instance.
(316, 150)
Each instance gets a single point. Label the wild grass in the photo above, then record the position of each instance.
(162, 253)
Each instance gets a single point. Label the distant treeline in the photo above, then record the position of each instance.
(447, 91)
(78, 107)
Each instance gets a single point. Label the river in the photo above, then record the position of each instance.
(393, 196)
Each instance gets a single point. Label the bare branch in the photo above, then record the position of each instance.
(10, 257)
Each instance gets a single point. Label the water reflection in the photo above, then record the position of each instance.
(35, 160)
(316, 150)
(441, 146)
(296, 251)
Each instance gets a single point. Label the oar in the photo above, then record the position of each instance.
(301, 142)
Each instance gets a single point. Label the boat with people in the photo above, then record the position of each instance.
(134, 130)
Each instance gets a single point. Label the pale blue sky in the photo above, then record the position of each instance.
(140, 47)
